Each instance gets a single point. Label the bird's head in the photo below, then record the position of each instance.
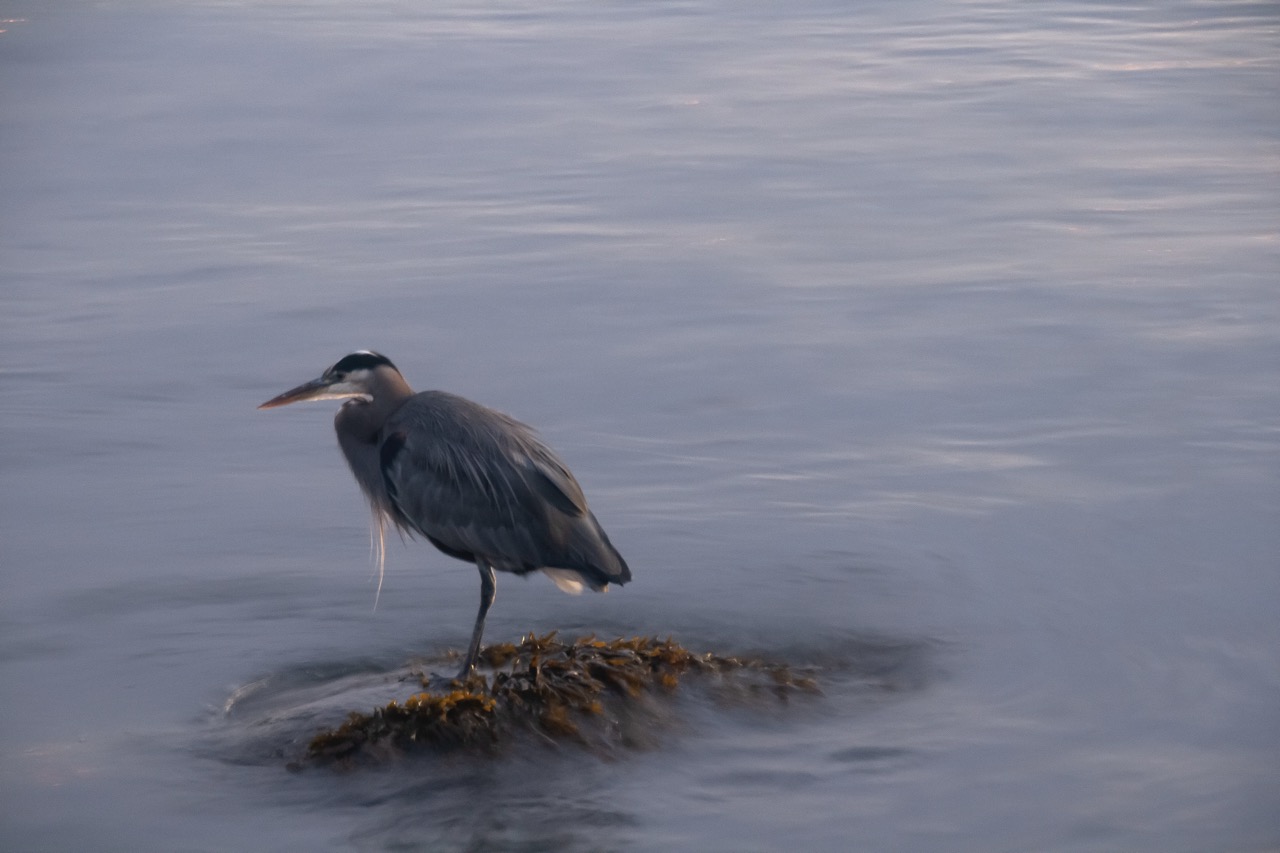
(355, 376)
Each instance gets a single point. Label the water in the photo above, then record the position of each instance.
(933, 343)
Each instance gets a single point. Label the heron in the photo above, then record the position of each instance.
(478, 484)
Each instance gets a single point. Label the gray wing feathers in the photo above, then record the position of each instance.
(553, 482)
(482, 485)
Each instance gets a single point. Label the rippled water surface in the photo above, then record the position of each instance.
(932, 344)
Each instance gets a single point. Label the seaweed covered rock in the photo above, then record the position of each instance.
(577, 690)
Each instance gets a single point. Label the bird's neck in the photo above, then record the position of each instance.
(362, 417)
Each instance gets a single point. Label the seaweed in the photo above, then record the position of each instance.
(557, 690)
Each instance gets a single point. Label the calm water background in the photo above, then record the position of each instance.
(934, 343)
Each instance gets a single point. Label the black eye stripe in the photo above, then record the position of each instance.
(363, 360)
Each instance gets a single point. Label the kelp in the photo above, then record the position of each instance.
(555, 689)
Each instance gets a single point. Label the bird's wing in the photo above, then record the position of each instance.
(550, 478)
(479, 484)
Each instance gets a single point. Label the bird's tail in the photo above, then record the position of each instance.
(595, 562)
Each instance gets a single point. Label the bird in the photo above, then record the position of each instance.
(477, 484)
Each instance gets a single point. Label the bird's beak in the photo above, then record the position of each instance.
(316, 389)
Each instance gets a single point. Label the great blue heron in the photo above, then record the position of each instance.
(479, 485)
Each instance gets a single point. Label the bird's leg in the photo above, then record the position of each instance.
(488, 588)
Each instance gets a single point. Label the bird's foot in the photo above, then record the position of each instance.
(437, 683)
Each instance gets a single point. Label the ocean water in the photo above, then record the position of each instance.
(932, 345)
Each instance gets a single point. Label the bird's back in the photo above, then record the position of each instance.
(482, 485)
